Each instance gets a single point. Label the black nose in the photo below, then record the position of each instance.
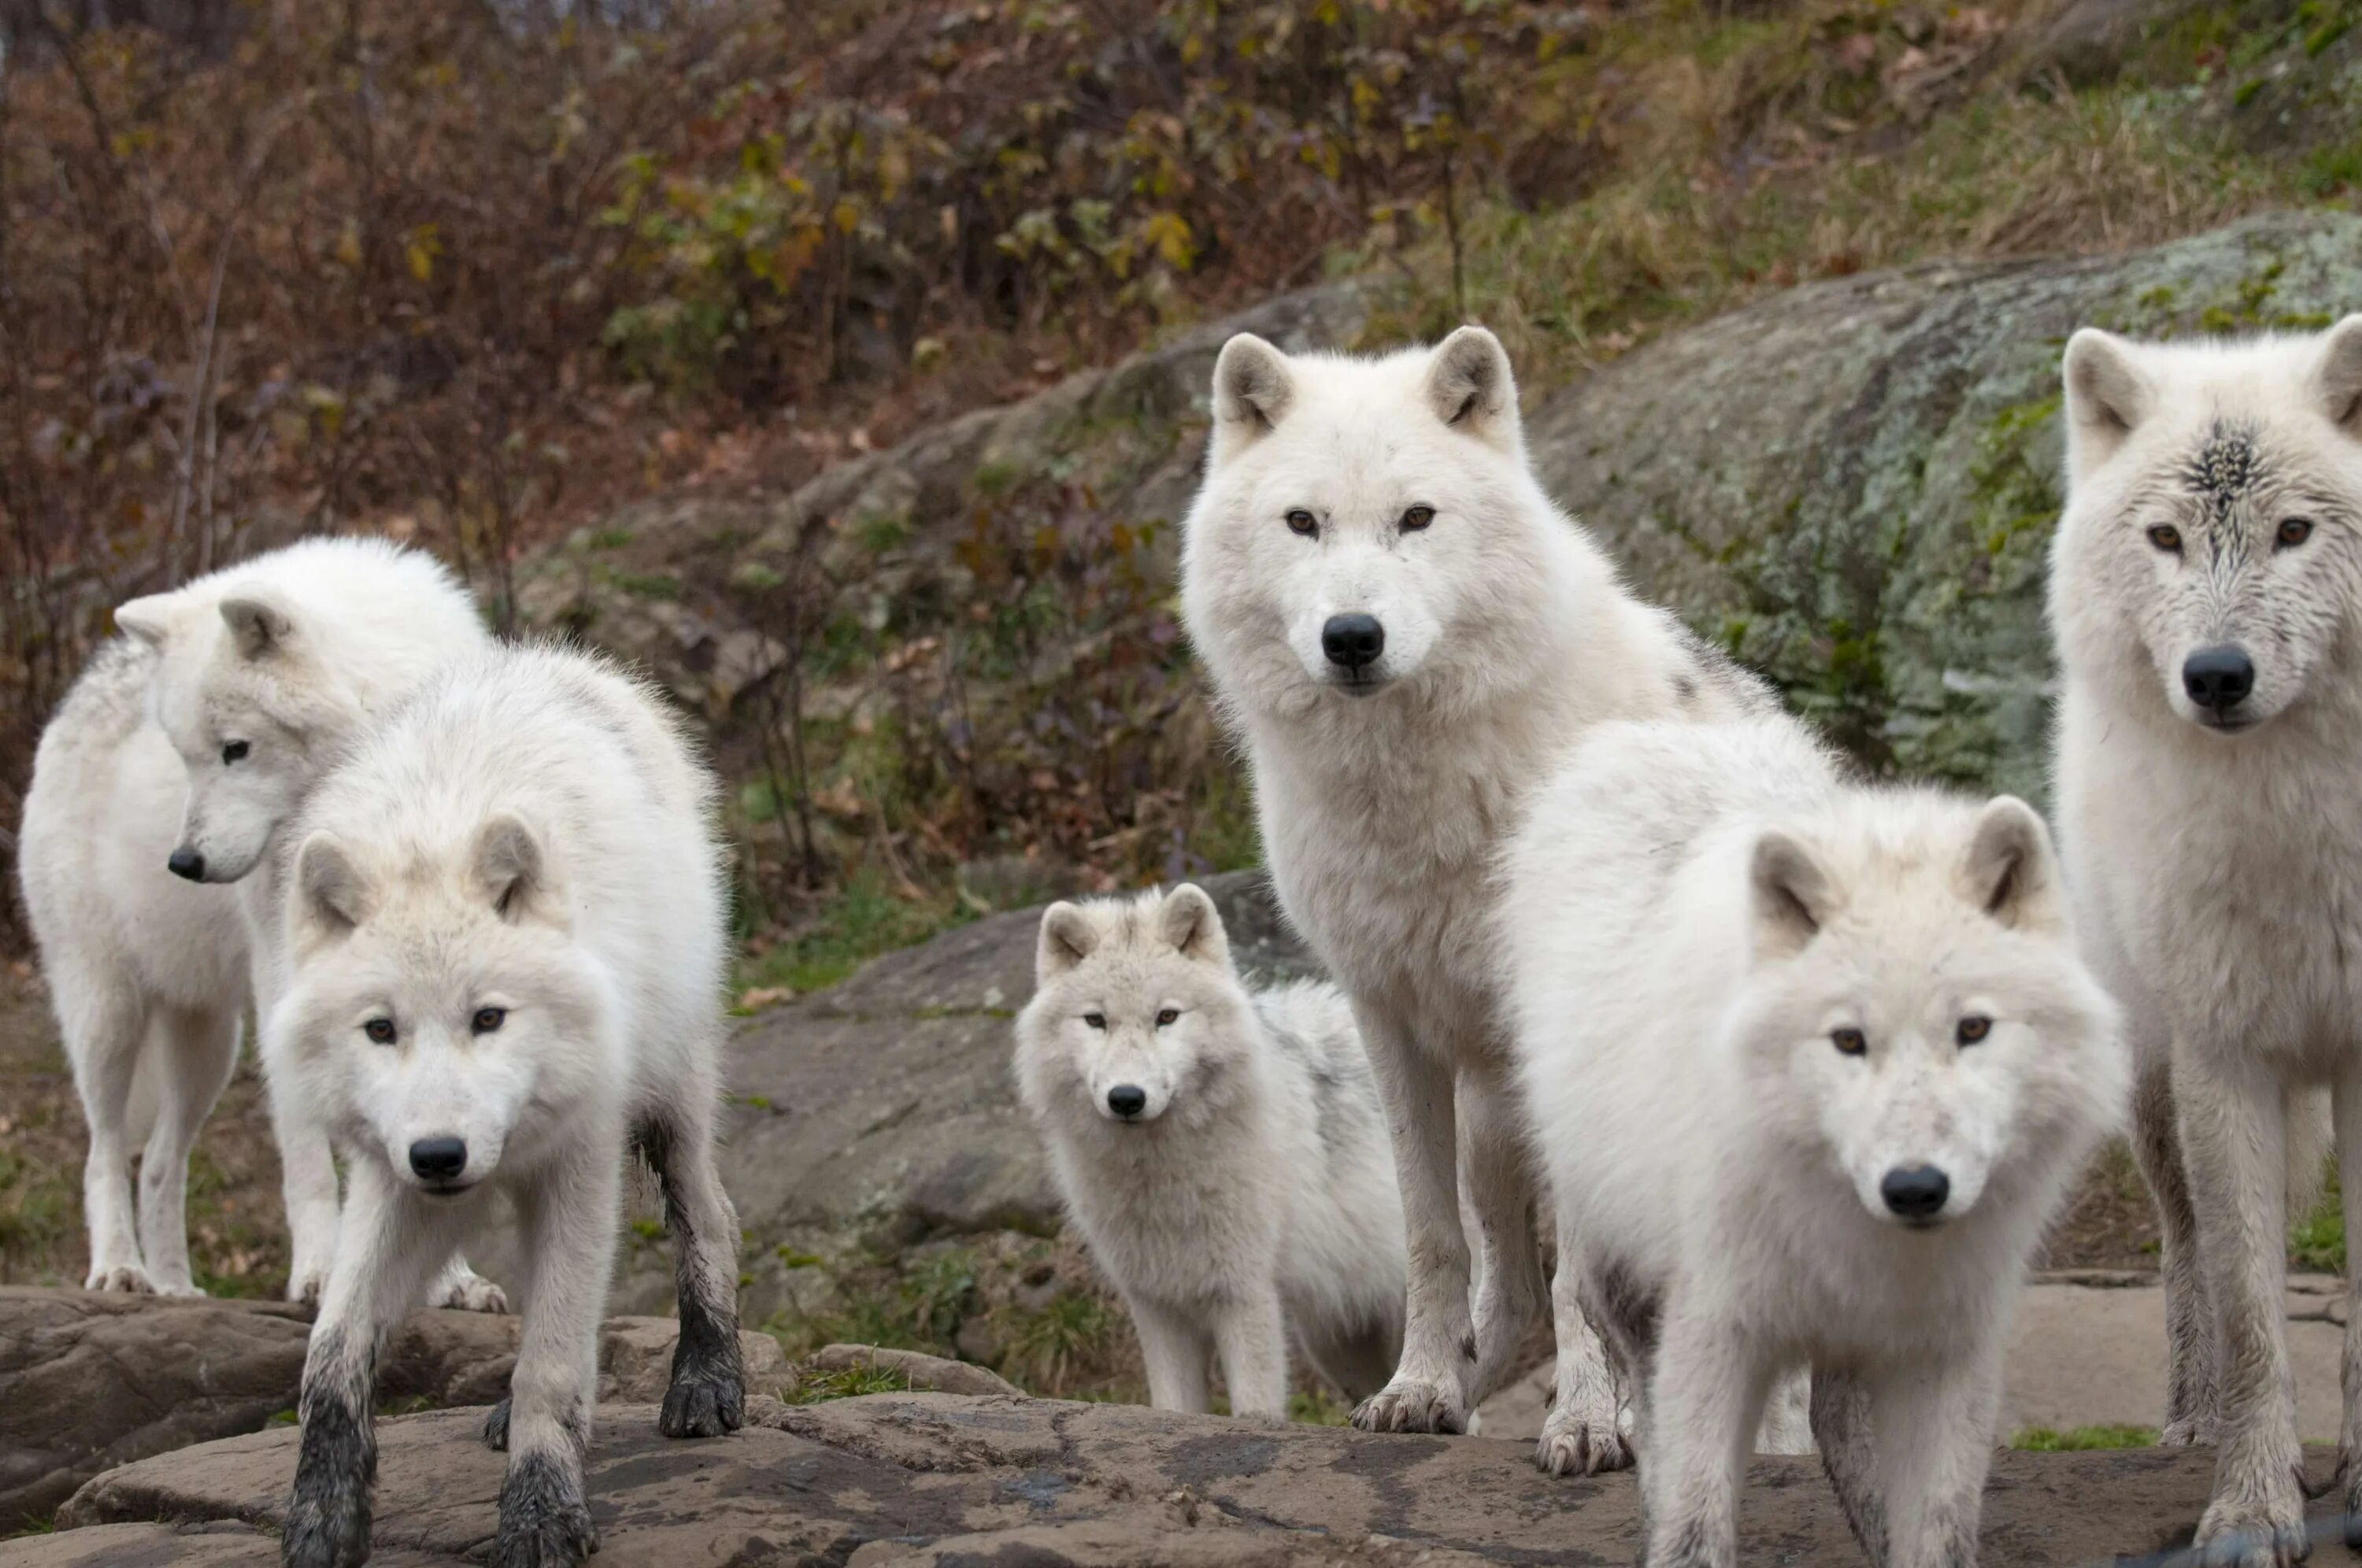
(438, 1159)
(1917, 1193)
(1353, 641)
(2218, 677)
(1126, 1100)
(187, 862)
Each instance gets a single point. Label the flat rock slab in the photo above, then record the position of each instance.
(941, 1479)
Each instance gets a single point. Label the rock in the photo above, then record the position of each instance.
(931, 1372)
(2088, 41)
(938, 1479)
(882, 1110)
(91, 1381)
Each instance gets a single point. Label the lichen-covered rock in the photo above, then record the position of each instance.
(1853, 484)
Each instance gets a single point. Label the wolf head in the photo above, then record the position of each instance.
(2210, 550)
(1365, 525)
(435, 996)
(1136, 1011)
(1916, 1013)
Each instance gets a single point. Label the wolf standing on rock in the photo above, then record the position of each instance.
(507, 938)
(166, 774)
(1403, 630)
(1223, 1150)
(2206, 594)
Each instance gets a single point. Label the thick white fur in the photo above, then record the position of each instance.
(531, 834)
(2219, 872)
(1380, 803)
(1253, 1191)
(294, 653)
(1691, 911)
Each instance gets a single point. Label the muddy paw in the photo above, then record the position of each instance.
(1410, 1406)
(1581, 1448)
(128, 1279)
(704, 1404)
(543, 1523)
(468, 1291)
(2249, 1535)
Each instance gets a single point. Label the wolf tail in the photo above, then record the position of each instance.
(2309, 1143)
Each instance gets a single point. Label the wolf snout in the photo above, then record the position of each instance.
(438, 1159)
(186, 863)
(1916, 1192)
(2218, 678)
(1352, 642)
(1126, 1100)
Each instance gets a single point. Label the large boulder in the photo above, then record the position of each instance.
(90, 1381)
(938, 1479)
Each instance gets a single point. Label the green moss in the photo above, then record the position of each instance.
(847, 1383)
(2079, 1440)
(866, 919)
(2317, 1239)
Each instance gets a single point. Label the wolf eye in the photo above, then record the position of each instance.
(1095, 1020)
(380, 1029)
(2166, 538)
(1417, 517)
(236, 750)
(1849, 1041)
(1302, 521)
(1168, 1016)
(1973, 1028)
(2293, 531)
(488, 1019)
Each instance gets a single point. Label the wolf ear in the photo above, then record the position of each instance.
(2340, 375)
(514, 871)
(1067, 938)
(2009, 871)
(1472, 388)
(259, 619)
(331, 898)
(1792, 891)
(1253, 387)
(2108, 395)
(149, 619)
(1194, 926)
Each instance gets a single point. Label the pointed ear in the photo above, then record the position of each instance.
(1067, 938)
(1194, 926)
(2340, 375)
(514, 870)
(1253, 387)
(331, 898)
(1792, 891)
(259, 619)
(2108, 394)
(2009, 871)
(149, 619)
(1472, 388)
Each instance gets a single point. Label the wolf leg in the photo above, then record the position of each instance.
(2346, 1108)
(105, 1032)
(1706, 1395)
(1581, 1435)
(2189, 1406)
(708, 1393)
(1842, 1431)
(308, 1183)
(1935, 1423)
(1511, 1290)
(1250, 1337)
(1174, 1346)
(195, 1053)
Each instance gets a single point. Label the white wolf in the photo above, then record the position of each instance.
(168, 771)
(1403, 630)
(2206, 594)
(1815, 1063)
(1223, 1150)
(506, 931)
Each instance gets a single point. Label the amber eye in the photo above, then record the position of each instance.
(2166, 538)
(1302, 521)
(1095, 1020)
(380, 1029)
(1850, 1042)
(1169, 1015)
(236, 750)
(489, 1018)
(2293, 531)
(1417, 517)
(1972, 1029)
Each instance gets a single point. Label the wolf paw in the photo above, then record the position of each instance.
(307, 1283)
(543, 1523)
(704, 1404)
(1409, 1405)
(465, 1290)
(180, 1290)
(128, 1279)
(2251, 1535)
(1581, 1448)
(2190, 1432)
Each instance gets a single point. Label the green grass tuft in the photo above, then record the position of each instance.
(847, 1383)
(2082, 1439)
